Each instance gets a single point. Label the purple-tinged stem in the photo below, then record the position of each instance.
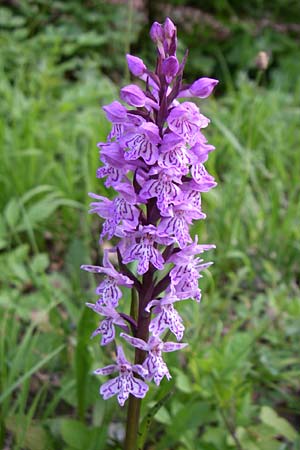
(132, 425)
(134, 405)
(125, 271)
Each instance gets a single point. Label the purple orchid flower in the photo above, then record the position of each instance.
(122, 120)
(108, 289)
(200, 174)
(187, 270)
(170, 68)
(107, 326)
(125, 383)
(177, 220)
(164, 187)
(122, 208)
(186, 121)
(115, 166)
(200, 151)
(142, 143)
(154, 363)
(166, 317)
(174, 154)
(144, 251)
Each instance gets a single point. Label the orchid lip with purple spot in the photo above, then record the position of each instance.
(124, 384)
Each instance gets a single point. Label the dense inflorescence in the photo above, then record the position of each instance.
(154, 159)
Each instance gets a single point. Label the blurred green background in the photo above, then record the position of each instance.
(237, 385)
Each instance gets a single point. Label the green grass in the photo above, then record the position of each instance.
(239, 378)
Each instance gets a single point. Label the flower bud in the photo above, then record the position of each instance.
(170, 68)
(203, 87)
(157, 33)
(157, 36)
(169, 28)
(170, 39)
(135, 65)
(133, 95)
(115, 112)
(262, 60)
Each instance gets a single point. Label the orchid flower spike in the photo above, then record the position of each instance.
(154, 160)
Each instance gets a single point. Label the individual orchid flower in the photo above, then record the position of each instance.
(144, 251)
(107, 327)
(170, 68)
(115, 166)
(142, 142)
(154, 363)
(122, 208)
(108, 289)
(187, 271)
(174, 153)
(134, 96)
(125, 383)
(176, 221)
(186, 121)
(166, 317)
(136, 65)
(164, 187)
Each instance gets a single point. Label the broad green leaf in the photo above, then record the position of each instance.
(163, 416)
(280, 425)
(40, 210)
(78, 436)
(214, 435)
(182, 381)
(75, 433)
(39, 263)
(36, 436)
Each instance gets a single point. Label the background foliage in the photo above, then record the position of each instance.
(237, 384)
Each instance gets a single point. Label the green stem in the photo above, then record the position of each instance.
(134, 405)
(132, 426)
(231, 429)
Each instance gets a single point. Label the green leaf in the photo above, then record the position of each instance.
(182, 381)
(78, 436)
(163, 416)
(230, 136)
(41, 210)
(36, 191)
(160, 413)
(75, 433)
(75, 256)
(83, 359)
(40, 263)
(36, 437)
(214, 435)
(12, 213)
(3, 244)
(282, 426)
(30, 372)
